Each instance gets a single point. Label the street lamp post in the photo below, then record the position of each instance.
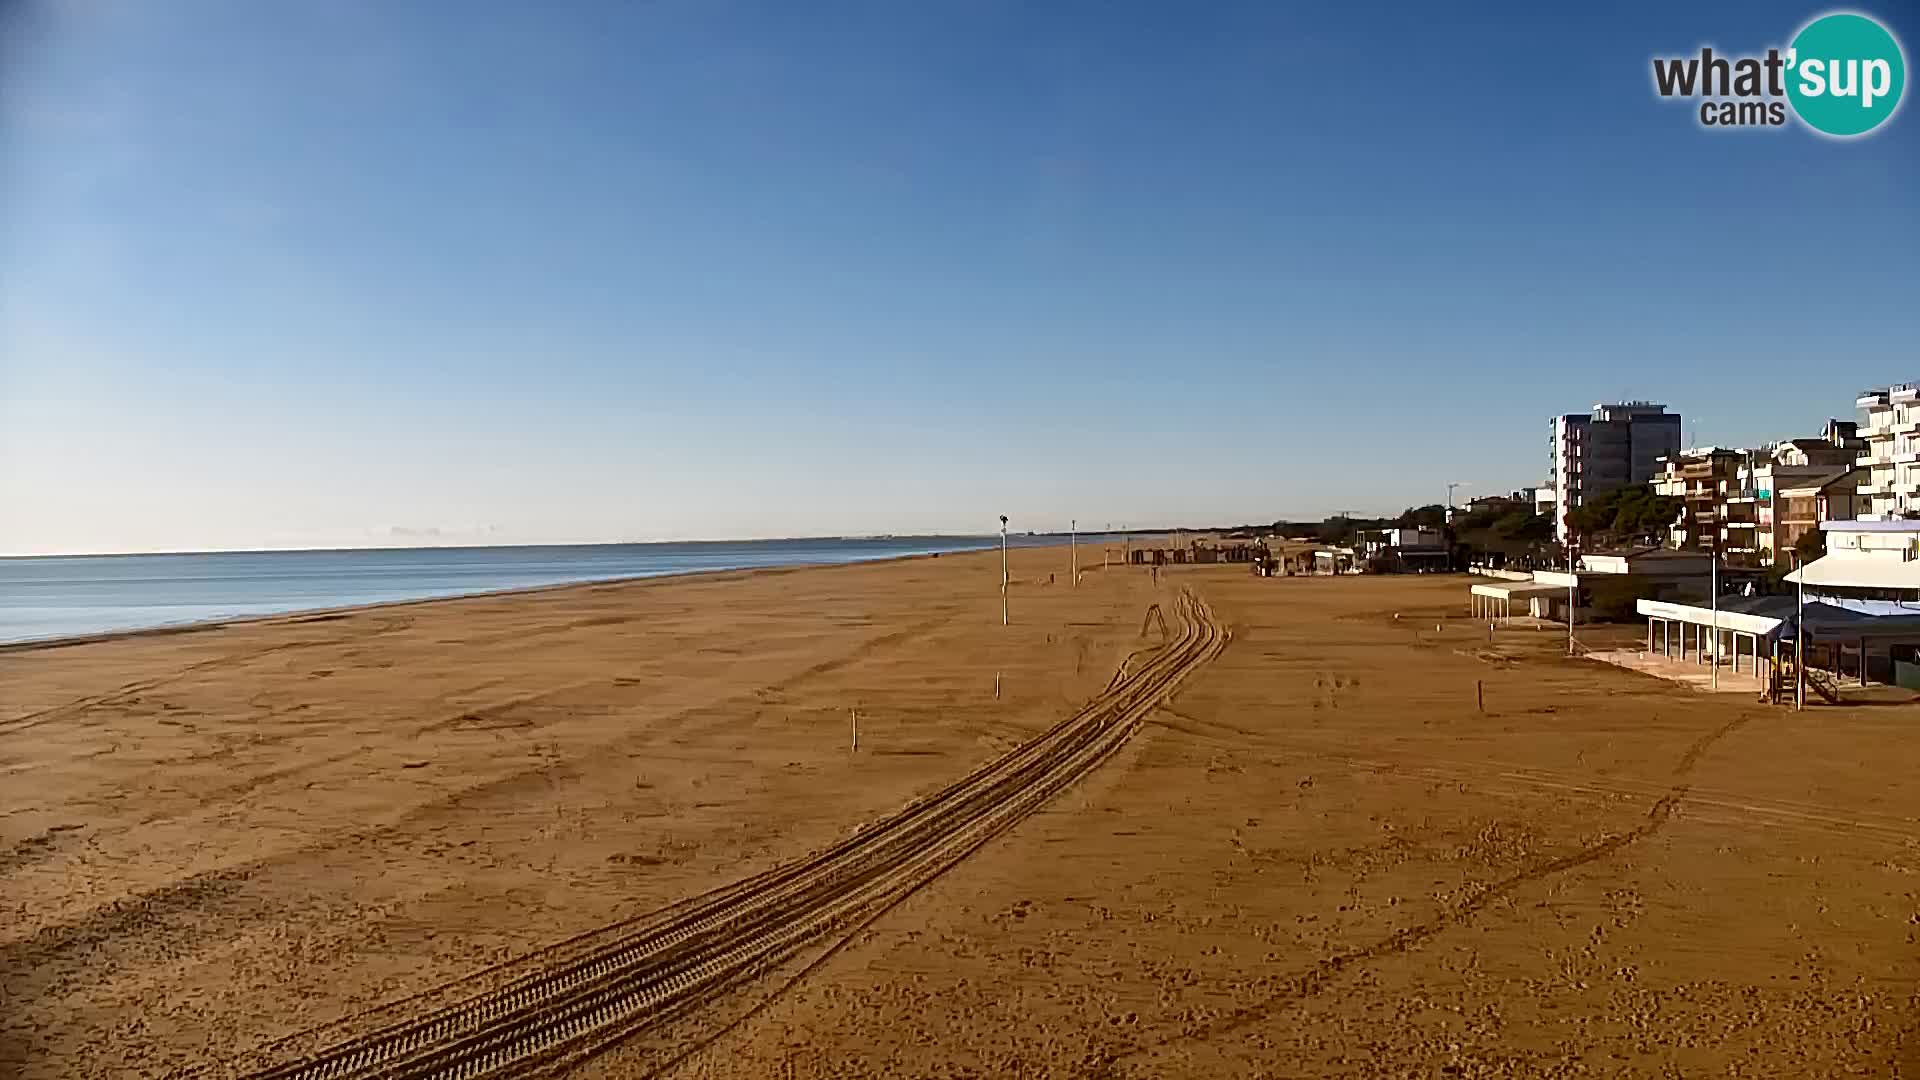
(1003, 569)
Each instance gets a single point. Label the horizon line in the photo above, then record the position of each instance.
(582, 543)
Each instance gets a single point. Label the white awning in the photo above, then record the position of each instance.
(1508, 590)
(1700, 615)
(1859, 573)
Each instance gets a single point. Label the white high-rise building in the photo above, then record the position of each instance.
(1891, 429)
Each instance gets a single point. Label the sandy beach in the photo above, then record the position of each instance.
(1321, 856)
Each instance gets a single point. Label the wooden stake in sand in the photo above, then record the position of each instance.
(854, 715)
(1479, 695)
(996, 686)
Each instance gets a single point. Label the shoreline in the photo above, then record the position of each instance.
(709, 542)
(65, 641)
(410, 797)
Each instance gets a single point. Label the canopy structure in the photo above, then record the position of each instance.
(1712, 636)
(1769, 625)
(1775, 616)
(1753, 615)
(1843, 573)
(1494, 599)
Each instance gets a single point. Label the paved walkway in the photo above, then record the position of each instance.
(1693, 674)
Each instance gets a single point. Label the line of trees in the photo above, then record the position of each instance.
(1623, 515)
(1512, 530)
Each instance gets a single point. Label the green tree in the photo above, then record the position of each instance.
(1341, 529)
(1811, 545)
(1524, 527)
(1431, 516)
(1474, 520)
(1623, 514)
(1590, 519)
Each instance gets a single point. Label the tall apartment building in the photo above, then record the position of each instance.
(1611, 447)
(1892, 455)
(1793, 486)
(1734, 501)
(1703, 479)
(1806, 505)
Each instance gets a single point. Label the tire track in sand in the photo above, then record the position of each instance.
(1324, 972)
(562, 1012)
(1702, 804)
(162, 915)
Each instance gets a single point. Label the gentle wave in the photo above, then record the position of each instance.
(63, 596)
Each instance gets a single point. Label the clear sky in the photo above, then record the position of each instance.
(372, 271)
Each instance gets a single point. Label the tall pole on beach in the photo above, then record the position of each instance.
(1073, 545)
(1003, 569)
(1800, 633)
(1713, 587)
(1573, 582)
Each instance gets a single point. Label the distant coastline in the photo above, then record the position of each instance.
(49, 601)
(329, 613)
(1088, 537)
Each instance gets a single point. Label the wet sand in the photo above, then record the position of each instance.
(1321, 858)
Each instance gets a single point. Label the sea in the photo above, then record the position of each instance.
(68, 595)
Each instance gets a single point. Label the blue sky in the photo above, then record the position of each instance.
(370, 272)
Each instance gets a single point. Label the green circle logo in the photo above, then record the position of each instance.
(1845, 73)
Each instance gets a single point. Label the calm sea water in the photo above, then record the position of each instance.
(65, 595)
